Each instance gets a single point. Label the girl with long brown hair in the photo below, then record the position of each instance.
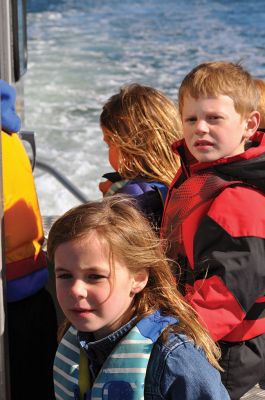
(132, 334)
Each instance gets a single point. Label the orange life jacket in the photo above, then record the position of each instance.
(26, 270)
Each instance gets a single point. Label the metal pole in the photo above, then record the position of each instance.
(5, 41)
(6, 74)
(4, 354)
(63, 180)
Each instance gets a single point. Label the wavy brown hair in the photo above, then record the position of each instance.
(129, 237)
(221, 78)
(143, 123)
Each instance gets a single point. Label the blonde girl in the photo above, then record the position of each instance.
(132, 334)
(139, 125)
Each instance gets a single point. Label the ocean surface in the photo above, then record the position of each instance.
(81, 52)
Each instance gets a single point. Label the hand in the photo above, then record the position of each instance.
(105, 186)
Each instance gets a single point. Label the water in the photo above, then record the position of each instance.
(81, 52)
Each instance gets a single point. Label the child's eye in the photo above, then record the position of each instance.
(95, 277)
(214, 117)
(190, 119)
(63, 275)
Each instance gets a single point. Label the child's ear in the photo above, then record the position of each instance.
(252, 124)
(140, 280)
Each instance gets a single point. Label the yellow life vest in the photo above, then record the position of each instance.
(22, 219)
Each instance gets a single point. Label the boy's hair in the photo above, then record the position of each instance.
(221, 78)
(260, 84)
(128, 237)
(143, 123)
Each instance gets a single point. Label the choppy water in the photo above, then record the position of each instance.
(81, 52)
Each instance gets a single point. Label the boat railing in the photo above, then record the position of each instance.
(43, 165)
(29, 138)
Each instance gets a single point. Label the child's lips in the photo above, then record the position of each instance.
(203, 144)
(82, 311)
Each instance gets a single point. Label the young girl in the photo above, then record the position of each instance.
(132, 336)
(139, 125)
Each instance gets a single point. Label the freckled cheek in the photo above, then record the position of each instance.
(187, 135)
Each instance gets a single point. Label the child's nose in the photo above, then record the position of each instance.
(79, 289)
(201, 127)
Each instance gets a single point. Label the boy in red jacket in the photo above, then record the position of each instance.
(214, 218)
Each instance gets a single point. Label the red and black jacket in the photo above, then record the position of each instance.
(214, 221)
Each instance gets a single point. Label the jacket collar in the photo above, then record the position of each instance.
(255, 148)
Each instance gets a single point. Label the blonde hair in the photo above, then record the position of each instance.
(143, 123)
(260, 84)
(129, 237)
(221, 78)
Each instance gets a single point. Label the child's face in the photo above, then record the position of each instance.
(213, 129)
(90, 297)
(114, 154)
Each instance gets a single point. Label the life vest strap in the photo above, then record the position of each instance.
(20, 268)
